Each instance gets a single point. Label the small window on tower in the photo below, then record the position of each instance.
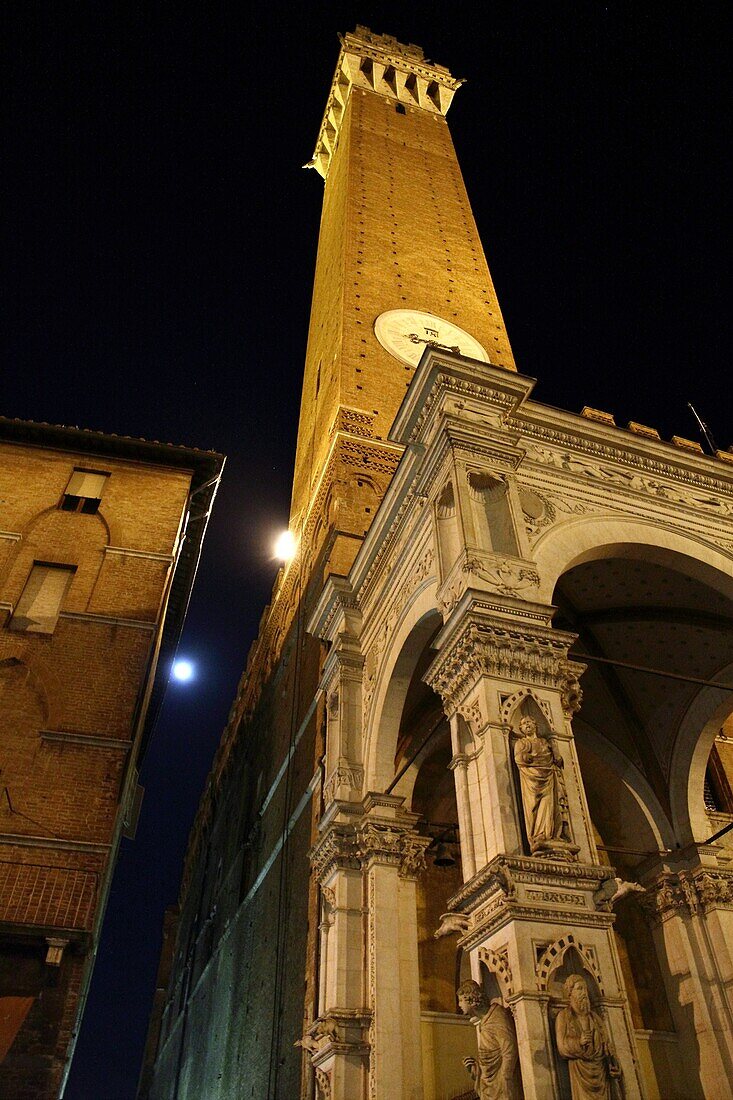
(84, 491)
(39, 606)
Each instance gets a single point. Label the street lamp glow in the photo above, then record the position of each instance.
(285, 546)
(182, 671)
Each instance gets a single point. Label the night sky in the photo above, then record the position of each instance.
(159, 247)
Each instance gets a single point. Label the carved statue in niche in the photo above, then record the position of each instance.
(493, 1071)
(582, 1039)
(544, 799)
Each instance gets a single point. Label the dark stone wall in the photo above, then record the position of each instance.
(235, 1002)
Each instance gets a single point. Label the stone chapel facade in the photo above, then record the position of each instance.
(453, 720)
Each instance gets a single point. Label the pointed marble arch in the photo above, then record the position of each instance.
(513, 703)
(589, 538)
(418, 620)
(553, 955)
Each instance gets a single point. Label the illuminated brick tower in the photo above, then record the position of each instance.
(406, 756)
(397, 233)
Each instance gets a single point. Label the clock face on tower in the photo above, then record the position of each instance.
(405, 333)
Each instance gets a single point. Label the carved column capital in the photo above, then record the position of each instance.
(687, 892)
(485, 644)
(389, 844)
(335, 851)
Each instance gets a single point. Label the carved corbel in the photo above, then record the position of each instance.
(571, 693)
(55, 947)
(412, 863)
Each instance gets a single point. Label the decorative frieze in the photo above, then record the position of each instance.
(507, 874)
(700, 492)
(384, 843)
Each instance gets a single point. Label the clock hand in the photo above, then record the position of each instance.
(415, 339)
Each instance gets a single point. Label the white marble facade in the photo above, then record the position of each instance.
(504, 514)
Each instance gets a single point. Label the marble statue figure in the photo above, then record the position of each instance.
(493, 1070)
(544, 799)
(583, 1041)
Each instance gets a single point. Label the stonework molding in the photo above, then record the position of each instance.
(358, 846)
(461, 388)
(528, 888)
(486, 645)
(553, 955)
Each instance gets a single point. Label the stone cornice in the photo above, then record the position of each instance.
(445, 384)
(504, 872)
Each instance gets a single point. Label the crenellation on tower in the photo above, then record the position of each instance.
(379, 63)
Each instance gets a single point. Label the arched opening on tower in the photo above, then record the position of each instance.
(653, 761)
(422, 755)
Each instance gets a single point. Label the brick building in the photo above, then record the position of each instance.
(100, 537)
(407, 753)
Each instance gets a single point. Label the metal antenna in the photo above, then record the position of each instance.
(706, 433)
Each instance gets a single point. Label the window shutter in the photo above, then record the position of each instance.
(86, 483)
(39, 606)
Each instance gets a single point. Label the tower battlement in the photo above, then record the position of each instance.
(381, 64)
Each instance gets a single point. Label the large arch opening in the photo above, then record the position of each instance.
(649, 747)
(414, 727)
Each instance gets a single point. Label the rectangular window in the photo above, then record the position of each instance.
(84, 491)
(39, 606)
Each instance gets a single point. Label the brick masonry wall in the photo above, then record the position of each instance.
(58, 788)
(397, 232)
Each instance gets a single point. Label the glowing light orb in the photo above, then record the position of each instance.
(285, 546)
(182, 671)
